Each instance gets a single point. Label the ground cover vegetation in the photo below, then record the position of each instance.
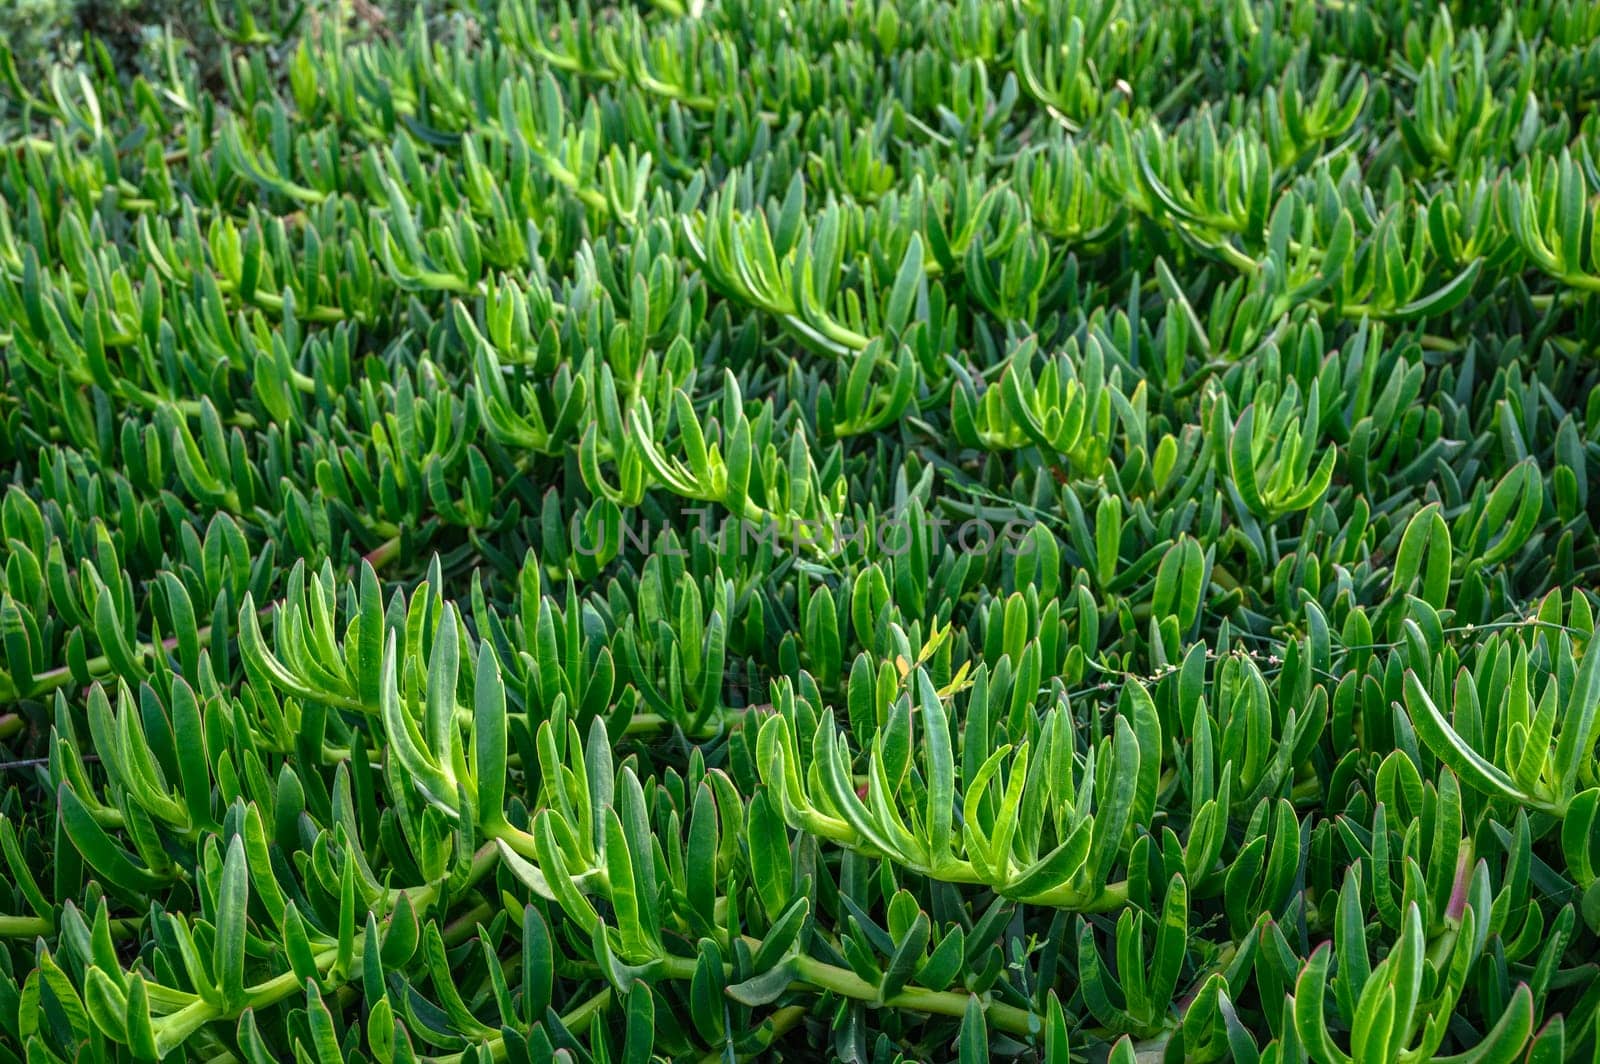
(897, 530)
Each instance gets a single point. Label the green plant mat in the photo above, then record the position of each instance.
(879, 530)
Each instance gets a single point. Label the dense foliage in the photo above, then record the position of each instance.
(896, 529)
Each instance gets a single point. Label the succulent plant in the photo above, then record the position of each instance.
(912, 530)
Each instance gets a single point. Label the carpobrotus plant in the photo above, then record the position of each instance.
(904, 530)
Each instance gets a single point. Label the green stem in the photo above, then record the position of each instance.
(1111, 897)
(809, 974)
(1584, 282)
(654, 723)
(846, 983)
(466, 925)
(812, 973)
(39, 927)
(776, 1026)
(273, 304)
